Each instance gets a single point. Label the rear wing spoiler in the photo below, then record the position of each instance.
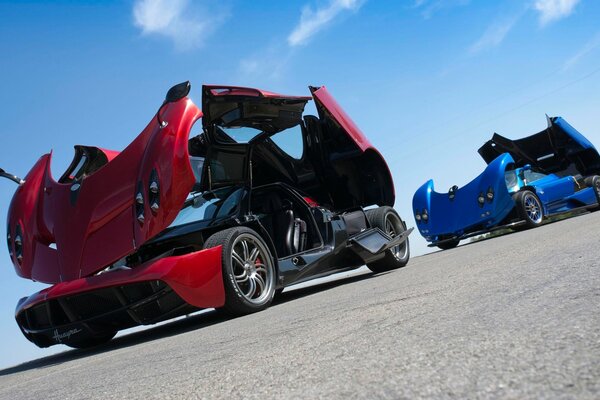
(12, 177)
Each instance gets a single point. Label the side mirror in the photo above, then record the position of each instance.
(527, 167)
(174, 94)
(452, 192)
(178, 92)
(13, 178)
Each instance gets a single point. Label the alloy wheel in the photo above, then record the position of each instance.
(252, 268)
(393, 226)
(533, 208)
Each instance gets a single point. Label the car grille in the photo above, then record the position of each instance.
(117, 307)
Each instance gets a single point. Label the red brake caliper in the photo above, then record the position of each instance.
(259, 261)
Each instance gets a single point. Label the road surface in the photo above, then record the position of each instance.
(512, 317)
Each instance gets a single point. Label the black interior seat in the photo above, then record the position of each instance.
(289, 233)
(295, 235)
(274, 220)
(288, 227)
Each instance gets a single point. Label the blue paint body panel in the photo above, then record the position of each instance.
(463, 213)
(573, 133)
(558, 194)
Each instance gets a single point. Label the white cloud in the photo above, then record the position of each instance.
(176, 20)
(494, 34)
(266, 65)
(271, 62)
(312, 21)
(553, 10)
(429, 7)
(589, 47)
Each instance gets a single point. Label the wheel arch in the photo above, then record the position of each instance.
(534, 190)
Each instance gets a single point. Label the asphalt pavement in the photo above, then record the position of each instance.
(513, 317)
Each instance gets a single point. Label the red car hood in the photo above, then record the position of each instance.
(60, 231)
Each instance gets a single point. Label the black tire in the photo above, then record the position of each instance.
(278, 293)
(529, 208)
(84, 341)
(450, 244)
(242, 276)
(594, 182)
(385, 218)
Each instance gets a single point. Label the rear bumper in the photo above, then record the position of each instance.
(149, 293)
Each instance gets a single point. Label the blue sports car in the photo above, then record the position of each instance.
(554, 171)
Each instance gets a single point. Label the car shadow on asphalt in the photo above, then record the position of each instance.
(180, 326)
(294, 294)
(469, 241)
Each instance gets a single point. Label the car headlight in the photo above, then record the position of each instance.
(490, 194)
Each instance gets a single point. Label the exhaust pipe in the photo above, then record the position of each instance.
(13, 178)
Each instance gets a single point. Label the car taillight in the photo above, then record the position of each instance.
(18, 242)
(139, 205)
(9, 242)
(154, 192)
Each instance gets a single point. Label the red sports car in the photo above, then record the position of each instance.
(188, 216)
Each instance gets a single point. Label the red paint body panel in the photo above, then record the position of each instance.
(110, 154)
(219, 90)
(323, 97)
(24, 211)
(340, 116)
(196, 277)
(103, 212)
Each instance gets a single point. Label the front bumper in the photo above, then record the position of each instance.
(152, 292)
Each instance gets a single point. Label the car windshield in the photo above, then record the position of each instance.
(512, 183)
(209, 205)
(237, 134)
(532, 176)
(197, 164)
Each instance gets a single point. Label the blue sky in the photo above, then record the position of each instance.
(428, 81)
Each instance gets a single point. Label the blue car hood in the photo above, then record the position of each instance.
(558, 149)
